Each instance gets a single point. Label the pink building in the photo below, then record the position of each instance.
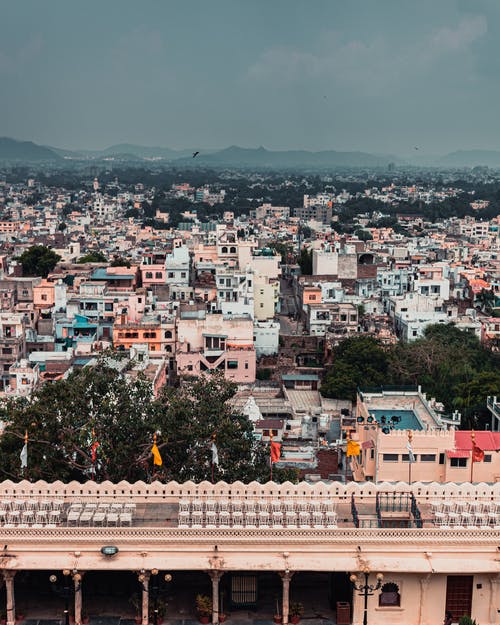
(209, 342)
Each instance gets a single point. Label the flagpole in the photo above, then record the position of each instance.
(271, 455)
(410, 437)
(473, 439)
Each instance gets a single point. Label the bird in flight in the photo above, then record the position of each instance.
(416, 147)
(195, 154)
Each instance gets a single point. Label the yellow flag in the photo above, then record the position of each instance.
(353, 448)
(157, 459)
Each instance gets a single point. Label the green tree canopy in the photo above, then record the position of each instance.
(358, 361)
(38, 260)
(101, 404)
(93, 257)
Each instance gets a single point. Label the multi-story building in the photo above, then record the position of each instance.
(207, 342)
(12, 344)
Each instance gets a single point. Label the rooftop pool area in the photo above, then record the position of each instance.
(404, 419)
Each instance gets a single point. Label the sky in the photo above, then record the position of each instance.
(383, 76)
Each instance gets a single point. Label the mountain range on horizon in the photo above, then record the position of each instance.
(12, 150)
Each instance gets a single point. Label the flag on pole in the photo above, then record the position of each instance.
(275, 451)
(157, 459)
(353, 448)
(215, 454)
(24, 452)
(95, 445)
(477, 453)
(411, 455)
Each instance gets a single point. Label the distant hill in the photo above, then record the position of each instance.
(260, 157)
(471, 158)
(12, 150)
(143, 151)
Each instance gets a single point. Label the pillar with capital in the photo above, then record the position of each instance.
(494, 581)
(286, 576)
(215, 577)
(11, 601)
(143, 578)
(424, 585)
(77, 580)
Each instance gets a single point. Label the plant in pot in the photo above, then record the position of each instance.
(296, 610)
(204, 608)
(161, 608)
(136, 603)
(277, 618)
(467, 620)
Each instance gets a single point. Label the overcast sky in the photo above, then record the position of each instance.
(375, 75)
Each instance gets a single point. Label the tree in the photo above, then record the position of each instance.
(357, 361)
(194, 412)
(62, 226)
(363, 235)
(38, 260)
(305, 262)
(93, 257)
(100, 404)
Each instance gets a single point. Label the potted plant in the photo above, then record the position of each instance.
(161, 608)
(467, 620)
(136, 603)
(204, 608)
(277, 618)
(296, 610)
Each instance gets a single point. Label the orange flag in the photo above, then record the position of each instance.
(275, 451)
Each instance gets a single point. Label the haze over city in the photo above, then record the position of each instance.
(385, 77)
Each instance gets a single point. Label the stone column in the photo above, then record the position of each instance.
(11, 600)
(215, 577)
(286, 576)
(144, 579)
(422, 608)
(77, 580)
(494, 581)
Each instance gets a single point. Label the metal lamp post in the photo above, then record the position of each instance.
(65, 590)
(365, 589)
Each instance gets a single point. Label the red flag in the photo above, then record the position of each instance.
(275, 451)
(477, 453)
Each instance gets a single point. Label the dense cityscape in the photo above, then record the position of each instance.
(249, 313)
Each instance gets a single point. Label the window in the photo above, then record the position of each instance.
(389, 595)
(232, 364)
(183, 274)
(312, 297)
(168, 334)
(390, 457)
(44, 297)
(487, 458)
(158, 275)
(427, 457)
(246, 367)
(108, 307)
(190, 367)
(170, 274)
(233, 250)
(441, 458)
(458, 462)
(149, 275)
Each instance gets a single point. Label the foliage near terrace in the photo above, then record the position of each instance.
(450, 364)
(61, 417)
